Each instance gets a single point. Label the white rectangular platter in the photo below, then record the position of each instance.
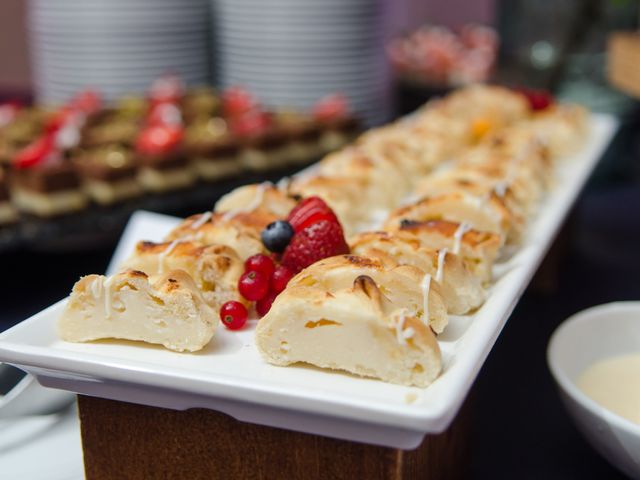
(229, 375)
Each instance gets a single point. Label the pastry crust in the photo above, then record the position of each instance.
(461, 290)
(343, 195)
(240, 231)
(401, 284)
(478, 249)
(214, 268)
(263, 198)
(482, 213)
(167, 310)
(396, 143)
(386, 183)
(355, 329)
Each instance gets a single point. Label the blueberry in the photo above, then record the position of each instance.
(277, 236)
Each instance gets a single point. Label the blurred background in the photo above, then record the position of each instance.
(309, 71)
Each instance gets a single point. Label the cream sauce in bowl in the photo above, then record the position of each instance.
(614, 383)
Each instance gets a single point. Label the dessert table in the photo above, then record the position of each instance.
(522, 420)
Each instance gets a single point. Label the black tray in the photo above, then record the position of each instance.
(98, 226)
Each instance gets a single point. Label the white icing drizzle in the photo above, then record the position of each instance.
(204, 218)
(402, 334)
(255, 203)
(164, 253)
(500, 188)
(283, 184)
(441, 259)
(96, 288)
(425, 286)
(463, 228)
(108, 281)
(408, 333)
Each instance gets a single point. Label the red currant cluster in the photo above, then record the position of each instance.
(310, 233)
(261, 282)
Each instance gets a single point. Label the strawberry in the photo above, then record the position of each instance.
(34, 153)
(309, 211)
(320, 240)
(236, 101)
(250, 124)
(159, 139)
(87, 101)
(331, 107)
(58, 120)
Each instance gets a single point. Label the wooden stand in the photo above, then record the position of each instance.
(127, 441)
(624, 62)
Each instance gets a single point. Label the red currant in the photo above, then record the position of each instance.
(260, 263)
(280, 278)
(264, 304)
(253, 285)
(234, 315)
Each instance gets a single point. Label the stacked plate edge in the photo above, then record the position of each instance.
(293, 52)
(116, 46)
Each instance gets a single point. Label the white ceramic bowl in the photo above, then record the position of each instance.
(585, 338)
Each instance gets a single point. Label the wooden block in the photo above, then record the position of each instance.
(624, 62)
(127, 441)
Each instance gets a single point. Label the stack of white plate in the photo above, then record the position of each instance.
(292, 52)
(116, 46)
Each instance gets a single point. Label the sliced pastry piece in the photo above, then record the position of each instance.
(214, 268)
(404, 285)
(168, 310)
(478, 249)
(562, 127)
(240, 231)
(416, 155)
(258, 197)
(462, 291)
(386, 183)
(342, 194)
(355, 329)
(497, 104)
(486, 213)
(519, 191)
(474, 183)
